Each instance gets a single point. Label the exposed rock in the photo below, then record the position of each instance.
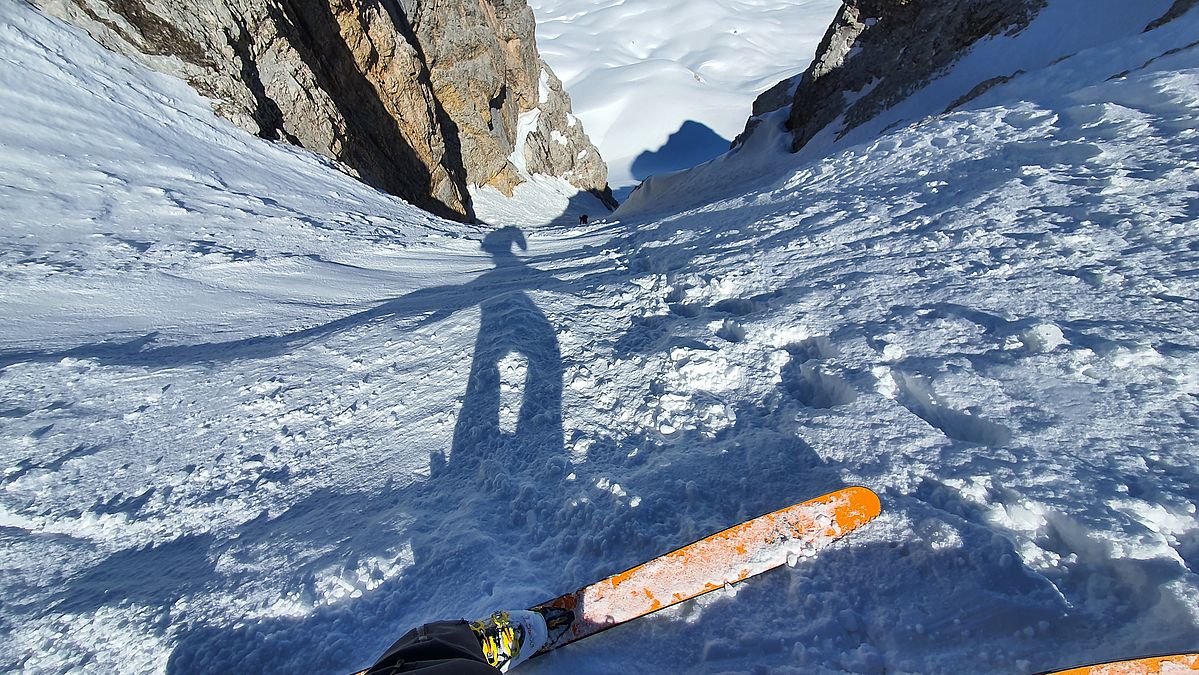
(1176, 10)
(982, 88)
(487, 74)
(774, 98)
(416, 97)
(878, 52)
(557, 146)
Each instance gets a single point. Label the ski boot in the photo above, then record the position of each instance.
(510, 638)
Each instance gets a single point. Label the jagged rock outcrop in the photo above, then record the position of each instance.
(556, 144)
(486, 72)
(1176, 10)
(878, 52)
(420, 98)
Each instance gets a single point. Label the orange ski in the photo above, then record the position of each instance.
(727, 557)
(1173, 663)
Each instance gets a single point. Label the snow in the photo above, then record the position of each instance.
(1054, 34)
(638, 70)
(258, 417)
(540, 200)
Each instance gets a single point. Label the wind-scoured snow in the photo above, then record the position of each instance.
(257, 417)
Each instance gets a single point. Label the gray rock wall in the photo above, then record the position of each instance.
(420, 98)
(1176, 10)
(888, 49)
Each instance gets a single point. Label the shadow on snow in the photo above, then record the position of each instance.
(499, 523)
(694, 143)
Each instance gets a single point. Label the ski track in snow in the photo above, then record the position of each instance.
(256, 417)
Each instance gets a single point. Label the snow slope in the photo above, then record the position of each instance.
(256, 417)
(1054, 34)
(638, 70)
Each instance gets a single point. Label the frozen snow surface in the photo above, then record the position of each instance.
(662, 85)
(257, 417)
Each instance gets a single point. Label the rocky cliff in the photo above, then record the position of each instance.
(878, 52)
(1176, 10)
(421, 98)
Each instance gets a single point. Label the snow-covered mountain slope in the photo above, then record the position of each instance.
(256, 417)
(1059, 30)
(639, 70)
(1003, 67)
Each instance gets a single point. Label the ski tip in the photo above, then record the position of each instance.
(1170, 663)
(864, 504)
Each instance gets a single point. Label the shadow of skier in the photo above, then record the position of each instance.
(510, 323)
(499, 523)
(419, 308)
(487, 508)
(498, 491)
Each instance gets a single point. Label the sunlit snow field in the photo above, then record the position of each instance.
(662, 85)
(257, 417)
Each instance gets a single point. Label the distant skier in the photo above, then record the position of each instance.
(583, 219)
(496, 644)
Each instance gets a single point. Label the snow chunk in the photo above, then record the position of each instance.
(1043, 338)
(1143, 357)
(885, 382)
(707, 371)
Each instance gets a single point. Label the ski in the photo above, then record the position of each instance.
(727, 557)
(1170, 663)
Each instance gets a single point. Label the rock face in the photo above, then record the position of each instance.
(878, 52)
(1176, 10)
(420, 98)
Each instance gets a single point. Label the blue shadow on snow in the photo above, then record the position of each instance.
(694, 143)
